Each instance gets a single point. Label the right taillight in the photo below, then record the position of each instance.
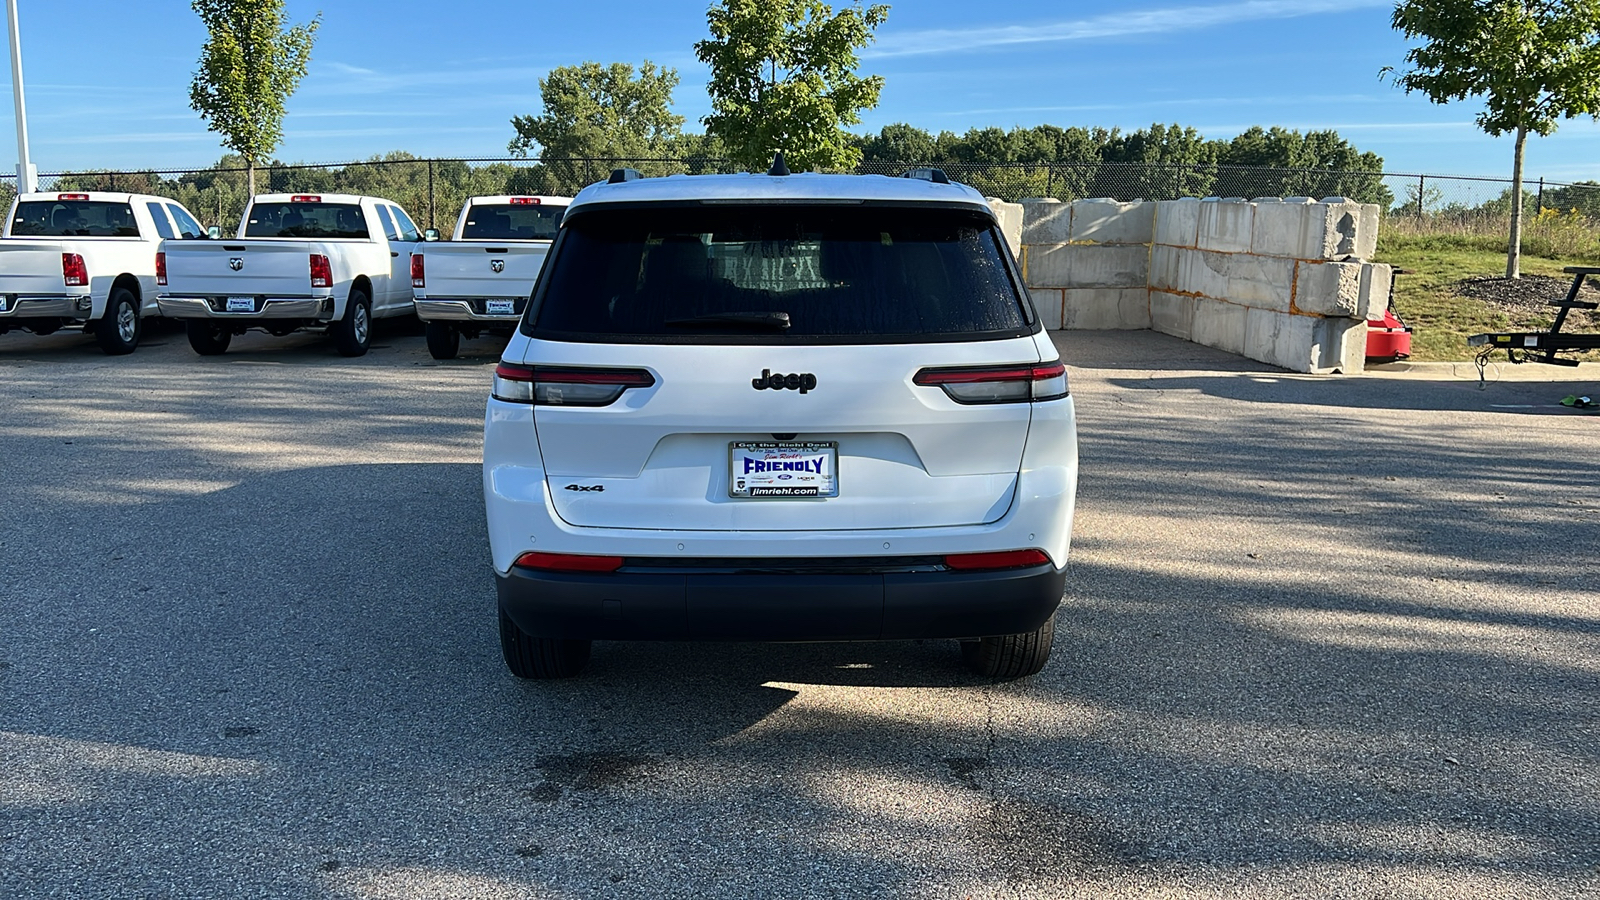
(568, 562)
(161, 268)
(998, 384)
(556, 386)
(419, 276)
(321, 271)
(1004, 559)
(73, 271)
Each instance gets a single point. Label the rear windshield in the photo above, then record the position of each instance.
(777, 274)
(306, 220)
(73, 218)
(501, 222)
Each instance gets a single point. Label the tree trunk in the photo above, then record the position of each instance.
(1514, 246)
(250, 167)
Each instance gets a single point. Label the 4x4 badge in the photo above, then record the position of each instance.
(598, 488)
(801, 382)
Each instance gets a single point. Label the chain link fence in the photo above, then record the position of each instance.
(434, 190)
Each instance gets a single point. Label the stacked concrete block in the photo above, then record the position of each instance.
(1010, 216)
(1087, 262)
(1225, 225)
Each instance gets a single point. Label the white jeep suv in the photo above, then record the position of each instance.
(779, 408)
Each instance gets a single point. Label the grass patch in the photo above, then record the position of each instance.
(1429, 302)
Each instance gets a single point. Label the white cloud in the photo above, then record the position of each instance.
(1149, 21)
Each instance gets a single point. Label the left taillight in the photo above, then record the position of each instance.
(568, 562)
(1004, 559)
(161, 268)
(73, 271)
(556, 386)
(998, 384)
(419, 272)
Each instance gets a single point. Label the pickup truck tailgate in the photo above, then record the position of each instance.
(29, 267)
(482, 269)
(239, 268)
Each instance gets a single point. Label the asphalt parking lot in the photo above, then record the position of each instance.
(1323, 637)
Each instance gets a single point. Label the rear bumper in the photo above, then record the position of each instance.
(63, 306)
(460, 310)
(179, 307)
(783, 606)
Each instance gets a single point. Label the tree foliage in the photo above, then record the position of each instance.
(249, 65)
(592, 111)
(1532, 62)
(783, 78)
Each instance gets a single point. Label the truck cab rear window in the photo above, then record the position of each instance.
(73, 218)
(778, 274)
(500, 222)
(306, 220)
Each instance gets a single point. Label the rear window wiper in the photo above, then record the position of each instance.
(778, 320)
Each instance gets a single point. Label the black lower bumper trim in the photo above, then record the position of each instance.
(788, 606)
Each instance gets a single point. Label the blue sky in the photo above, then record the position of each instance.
(107, 82)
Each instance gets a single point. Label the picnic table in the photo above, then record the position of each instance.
(1524, 346)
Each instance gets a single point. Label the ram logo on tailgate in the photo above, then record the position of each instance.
(236, 263)
(497, 265)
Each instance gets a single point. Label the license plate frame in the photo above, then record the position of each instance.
(797, 481)
(5, 303)
(500, 307)
(240, 304)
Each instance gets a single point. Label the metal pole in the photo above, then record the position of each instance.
(1422, 190)
(430, 195)
(27, 177)
(1541, 195)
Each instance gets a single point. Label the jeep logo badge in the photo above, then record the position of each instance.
(801, 382)
(498, 265)
(236, 263)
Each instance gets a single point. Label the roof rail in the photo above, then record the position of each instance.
(618, 176)
(926, 173)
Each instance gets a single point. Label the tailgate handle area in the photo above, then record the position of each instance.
(234, 249)
(497, 249)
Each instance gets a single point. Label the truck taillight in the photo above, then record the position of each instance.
(524, 201)
(161, 268)
(321, 272)
(998, 384)
(419, 276)
(550, 386)
(73, 271)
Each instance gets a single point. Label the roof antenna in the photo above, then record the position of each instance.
(778, 168)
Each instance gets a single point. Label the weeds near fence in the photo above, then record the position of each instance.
(1564, 235)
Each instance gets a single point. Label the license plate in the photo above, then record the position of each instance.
(5, 304)
(241, 304)
(501, 307)
(783, 469)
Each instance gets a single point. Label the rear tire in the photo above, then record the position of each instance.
(353, 333)
(1011, 655)
(206, 337)
(541, 658)
(444, 341)
(119, 329)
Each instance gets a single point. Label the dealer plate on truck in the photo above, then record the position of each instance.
(783, 469)
(5, 303)
(241, 304)
(501, 307)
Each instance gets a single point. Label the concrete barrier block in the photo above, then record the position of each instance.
(1339, 222)
(1281, 228)
(1225, 225)
(1010, 216)
(1374, 291)
(1279, 339)
(1172, 314)
(1339, 345)
(1047, 302)
(1046, 221)
(1108, 266)
(1367, 231)
(1125, 309)
(1264, 282)
(1328, 289)
(1219, 324)
(1166, 267)
(1177, 222)
(1113, 222)
(1048, 265)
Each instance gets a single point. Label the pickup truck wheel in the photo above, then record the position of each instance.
(118, 330)
(207, 338)
(353, 333)
(444, 341)
(1011, 655)
(531, 657)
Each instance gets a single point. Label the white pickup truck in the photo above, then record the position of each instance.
(481, 279)
(329, 262)
(87, 260)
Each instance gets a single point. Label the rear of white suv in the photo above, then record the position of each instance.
(779, 407)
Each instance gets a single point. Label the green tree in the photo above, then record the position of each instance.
(1534, 63)
(1583, 196)
(595, 112)
(783, 78)
(249, 66)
